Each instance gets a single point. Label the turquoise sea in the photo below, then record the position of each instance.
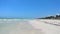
(16, 26)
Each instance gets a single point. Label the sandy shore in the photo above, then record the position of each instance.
(34, 26)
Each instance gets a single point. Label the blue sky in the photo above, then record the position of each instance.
(29, 8)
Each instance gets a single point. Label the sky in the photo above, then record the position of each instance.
(29, 8)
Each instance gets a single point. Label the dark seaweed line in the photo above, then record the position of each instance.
(52, 24)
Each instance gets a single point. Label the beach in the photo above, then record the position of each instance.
(28, 26)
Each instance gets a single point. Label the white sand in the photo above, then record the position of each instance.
(35, 26)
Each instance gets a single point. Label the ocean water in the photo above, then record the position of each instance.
(28, 26)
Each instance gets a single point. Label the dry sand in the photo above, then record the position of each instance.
(34, 26)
